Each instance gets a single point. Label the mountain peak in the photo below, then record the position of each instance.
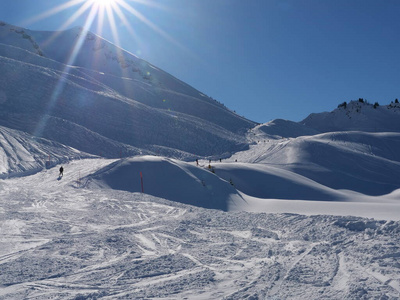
(357, 115)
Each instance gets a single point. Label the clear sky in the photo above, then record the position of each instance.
(265, 59)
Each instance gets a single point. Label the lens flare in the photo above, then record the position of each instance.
(98, 15)
(102, 2)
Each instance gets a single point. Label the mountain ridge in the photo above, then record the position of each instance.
(357, 116)
(99, 112)
(119, 99)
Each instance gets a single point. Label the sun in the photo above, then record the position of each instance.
(103, 3)
(101, 15)
(109, 14)
(98, 15)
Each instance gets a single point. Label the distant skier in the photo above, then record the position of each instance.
(61, 172)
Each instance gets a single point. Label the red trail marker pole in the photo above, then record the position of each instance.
(141, 181)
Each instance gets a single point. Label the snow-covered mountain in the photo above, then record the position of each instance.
(77, 82)
(146, 226)
(357, 116)
(278, 129)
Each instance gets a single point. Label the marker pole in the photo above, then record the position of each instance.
(141, 181)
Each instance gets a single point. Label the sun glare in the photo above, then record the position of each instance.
(108, 13)
(98, 15)
(102, 2)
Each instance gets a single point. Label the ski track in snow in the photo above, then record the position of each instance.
(61, 241)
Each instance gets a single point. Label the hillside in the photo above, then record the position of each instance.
(22, 154)
(364, 162)
(108, 93)
(278, 129)
(357, 116)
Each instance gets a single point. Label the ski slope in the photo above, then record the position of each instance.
(21, 154)
(363, 162)
(281, 210)
(68, 238)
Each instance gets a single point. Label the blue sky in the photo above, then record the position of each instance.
(265, 59)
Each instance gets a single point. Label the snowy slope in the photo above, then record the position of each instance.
(357, 116)
(17, 37)
(22, 154)
(278, 128)
(109, 92)
(134, 77)
(226, 229)
(267, 182)
(170, 179)
(364, 162)
(60, 240)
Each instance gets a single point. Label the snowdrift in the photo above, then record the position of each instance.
(169, 179)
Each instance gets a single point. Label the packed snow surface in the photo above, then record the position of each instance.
(75, 237)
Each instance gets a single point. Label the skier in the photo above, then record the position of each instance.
(61, 172)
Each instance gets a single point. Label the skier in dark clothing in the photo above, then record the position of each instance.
(61, 171)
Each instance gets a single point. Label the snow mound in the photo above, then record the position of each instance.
(267, 182)
(364, 162)
(169, 179)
